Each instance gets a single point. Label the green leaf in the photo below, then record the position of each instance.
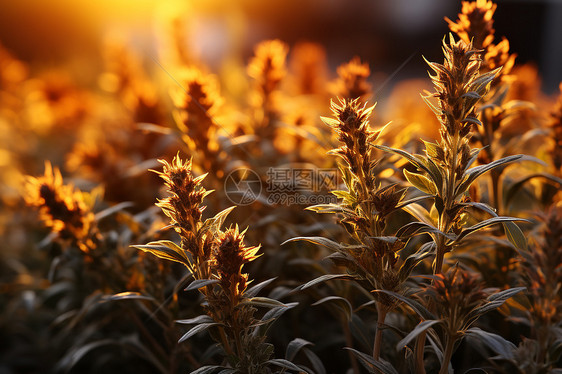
(167, 250)
(421, 182)
(254, 290)
(200, 283)
(431, 149)
(341, 302)
(421, 327)
(495, 301)
(347, 197)
(270, 316)
(370, 364)
(265, 302)
(418, 212)
(515, 186)
(214, 223)
(325, 278)
(192, 321)
(294, 347)
(417, 228)
(315, 361)
(196, 329)
(412, 158)
(495, 342)
(330, 244)
(326, 208)
(127, 296)
(284, 364)
(414, 259)
(486, 223)
(515, 235)
(415, 305)
(473, 173)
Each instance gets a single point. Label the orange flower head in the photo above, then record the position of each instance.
(352, 80)
(62, 208)
(230, 255)
(183, 206)
(267, 66)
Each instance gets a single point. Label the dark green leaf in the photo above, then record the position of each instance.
(370, 364)
(197, 329)
(495, 301)
(495, 342)
(192, 321)
(325, 278)
(515, 235)
(413, 159)
(421, 182)
(284, 364)
(330, 244)
(200, 283)
(127, 296)
(294, 347)
(341, 303)
(415, 305)
(254, 290)
(486, 223)
(265, 302)
(421, 327)
(165, 249)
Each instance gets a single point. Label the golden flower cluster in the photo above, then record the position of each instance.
(62, 208)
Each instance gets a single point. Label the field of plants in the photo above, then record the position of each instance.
(264, 215)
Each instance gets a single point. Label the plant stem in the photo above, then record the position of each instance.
(419, 350)
(447, 356)
(382, 310)
(349, 343)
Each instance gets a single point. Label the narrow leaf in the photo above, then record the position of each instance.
(421, 182)
(262, 302)
(254, 290)
(197, 329)
(342, 303)
(325, 278)
(284, 364)
(370, 364)
(421, 327)
(515, 235)
(294, 347)
(200, 283)
(192, 321)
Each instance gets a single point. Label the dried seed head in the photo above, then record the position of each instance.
(267, 66)
(183, 206)
(198, 101)
(62, 208)
(229, 257)
(455, 294)
(543, 271)
(458, 87)
(352, 81)
(308, 64)
(351, 123)
(475, 24)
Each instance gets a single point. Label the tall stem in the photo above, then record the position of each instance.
(349, 343)
(382, 310)
(447, 356)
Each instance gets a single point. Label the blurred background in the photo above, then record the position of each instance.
(383, 32)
